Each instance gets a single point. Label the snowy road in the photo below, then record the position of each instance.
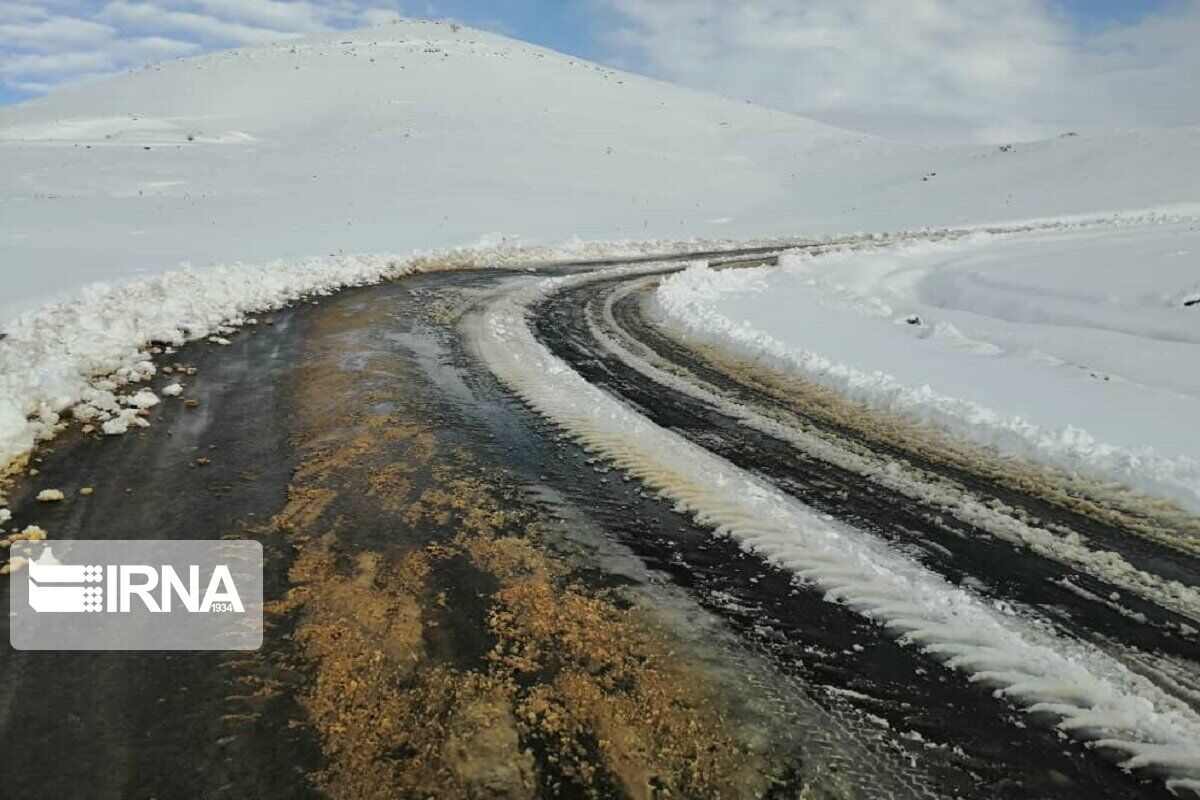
(465, 598)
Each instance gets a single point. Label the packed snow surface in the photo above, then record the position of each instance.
(1075, 346)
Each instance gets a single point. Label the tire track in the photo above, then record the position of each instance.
(957, 549)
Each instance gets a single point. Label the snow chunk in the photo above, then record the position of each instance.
(122, 422)
(115, 427)
(143, 399)
(14, 564)
(172, 390)
(31, 533)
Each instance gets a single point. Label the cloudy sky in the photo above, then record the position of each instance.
(994, 70)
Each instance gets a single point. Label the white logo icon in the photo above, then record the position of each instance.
(59, 588)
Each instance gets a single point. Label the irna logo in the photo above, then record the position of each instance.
(114, 588)
(137, 595)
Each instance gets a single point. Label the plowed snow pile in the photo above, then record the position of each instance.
(1074, 347)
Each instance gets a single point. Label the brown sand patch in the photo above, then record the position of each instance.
(305, 506)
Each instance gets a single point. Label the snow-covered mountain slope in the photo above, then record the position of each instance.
(419, 135)
(1073, 347)
(408, 136)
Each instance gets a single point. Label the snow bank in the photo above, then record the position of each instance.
(1096, 698)
(1067, 346)
(1074, 551)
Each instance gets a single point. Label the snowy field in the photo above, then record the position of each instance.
(416, 137)
(1074, 346)
(419, 135)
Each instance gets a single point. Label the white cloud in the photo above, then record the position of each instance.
(54, 64)
(267, 13)
(947, 68)
(21, 12)
(152, 17)
(58, 42)
(380, 16)
(54, 69)
(295, 16)
(1151, 69)
(54, 33)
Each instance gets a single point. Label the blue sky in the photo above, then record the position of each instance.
(997, 67)
(572, 26)
(1090, 13)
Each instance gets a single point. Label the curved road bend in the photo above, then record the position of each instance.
(463, 601)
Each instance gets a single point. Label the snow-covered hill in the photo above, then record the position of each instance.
(419, 134)
(408, 136)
